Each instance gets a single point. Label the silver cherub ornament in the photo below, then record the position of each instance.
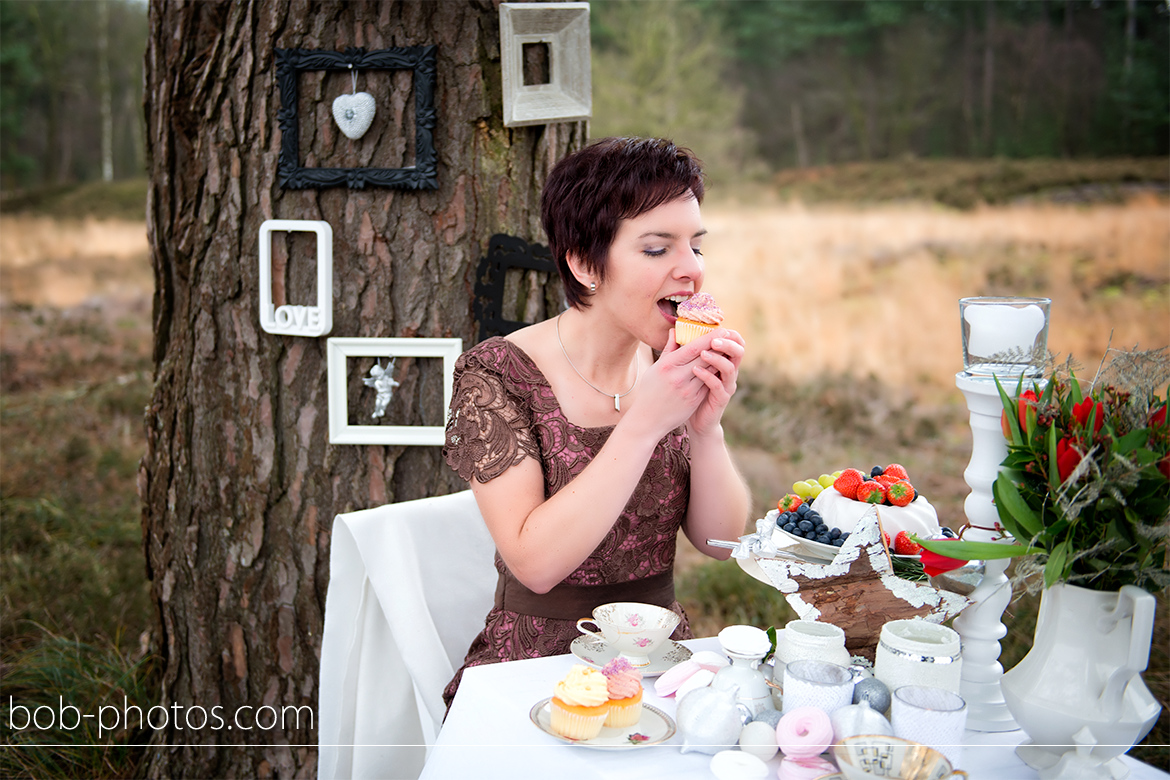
(382, 380)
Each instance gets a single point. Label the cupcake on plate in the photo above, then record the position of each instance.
(580, 703)
(624, 683)
(696, 315)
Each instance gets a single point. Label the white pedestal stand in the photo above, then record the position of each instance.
(980, 625)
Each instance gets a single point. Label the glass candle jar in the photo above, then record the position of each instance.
(916, 652)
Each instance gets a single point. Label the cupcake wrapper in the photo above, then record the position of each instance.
(624, 712)
(686, 331)
(576, 726)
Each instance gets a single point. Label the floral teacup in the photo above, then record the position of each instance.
(634, 630)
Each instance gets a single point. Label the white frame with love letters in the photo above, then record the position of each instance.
(297, 319)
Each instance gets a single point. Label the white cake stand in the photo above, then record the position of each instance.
(980, 624)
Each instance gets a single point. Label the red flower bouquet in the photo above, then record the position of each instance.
(1086, 481)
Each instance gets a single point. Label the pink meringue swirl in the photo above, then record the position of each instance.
(622, 678)
(700, 307)
(804, 732)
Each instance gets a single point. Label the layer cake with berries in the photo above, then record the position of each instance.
(839, 502)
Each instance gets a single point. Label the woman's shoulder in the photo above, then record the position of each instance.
(502, 357)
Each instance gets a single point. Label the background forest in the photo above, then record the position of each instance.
(857, 149)
(757, 85)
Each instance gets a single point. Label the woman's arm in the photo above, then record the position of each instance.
(720, 501)
(543, 541)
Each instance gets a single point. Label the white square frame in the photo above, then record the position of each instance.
(338, 350)
(296, 319)
(564, 27)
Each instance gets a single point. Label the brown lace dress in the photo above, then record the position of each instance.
(502, 411)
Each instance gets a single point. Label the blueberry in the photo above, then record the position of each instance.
(948, 533)
(834, 533)
(805, 525)
(784, 517)
(822, 528)
(802, 510)
(844, 535)
(837, 542)
(824, 539)
(814, 515)
(876, 471)
(790, 527)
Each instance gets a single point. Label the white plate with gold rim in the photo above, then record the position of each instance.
(597, 653)
(653, 728)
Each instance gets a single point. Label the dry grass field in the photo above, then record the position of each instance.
(850, 314)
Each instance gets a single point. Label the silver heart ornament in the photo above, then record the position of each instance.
(354, 113)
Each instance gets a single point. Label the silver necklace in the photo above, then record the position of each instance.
(617, 407)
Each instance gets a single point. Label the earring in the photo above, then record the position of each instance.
(593, 287)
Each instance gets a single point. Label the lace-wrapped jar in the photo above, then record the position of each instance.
(808, 640)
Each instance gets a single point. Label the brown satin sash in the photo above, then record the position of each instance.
(572, 602)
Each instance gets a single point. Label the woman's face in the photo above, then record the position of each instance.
(654, 262)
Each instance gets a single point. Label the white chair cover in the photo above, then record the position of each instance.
(410, 584)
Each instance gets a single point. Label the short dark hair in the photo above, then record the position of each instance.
(591, 190)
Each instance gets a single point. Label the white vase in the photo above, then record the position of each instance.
(1078, 694)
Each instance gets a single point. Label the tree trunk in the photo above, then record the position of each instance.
(105, 90)
(989, 78)
(239, 483)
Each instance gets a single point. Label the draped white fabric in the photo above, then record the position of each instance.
(410, 584)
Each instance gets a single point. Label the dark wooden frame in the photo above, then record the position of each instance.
(504, 253)
(419, 59)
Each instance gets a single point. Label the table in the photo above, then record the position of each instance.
(487, 734)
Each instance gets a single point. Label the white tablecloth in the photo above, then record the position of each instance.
(488, 734)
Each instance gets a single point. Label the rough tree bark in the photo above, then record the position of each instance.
(239, 483)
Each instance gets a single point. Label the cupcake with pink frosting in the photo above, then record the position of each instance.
(625, 693)
(696, 315)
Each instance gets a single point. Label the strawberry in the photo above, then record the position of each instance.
(871, 492)
(885, 480)
(901, 493)
(847, 483)
(897, 470)
(886, 539)
(789, 503)
(904, 545)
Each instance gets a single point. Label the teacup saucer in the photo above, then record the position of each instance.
(597, 653)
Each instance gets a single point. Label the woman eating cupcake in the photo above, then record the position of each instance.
(591, 439)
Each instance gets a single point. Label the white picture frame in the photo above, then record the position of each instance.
(564, 28)
(297, 319)
(339, 350)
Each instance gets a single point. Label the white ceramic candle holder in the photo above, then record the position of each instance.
(1004, 338)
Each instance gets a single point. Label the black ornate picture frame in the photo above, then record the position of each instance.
(504, 252)
(423, 175)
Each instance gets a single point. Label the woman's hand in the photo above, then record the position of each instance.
(718, 369)
(669, 392)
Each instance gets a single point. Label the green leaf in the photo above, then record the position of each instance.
(1053, 470)
(1046, 394)
(1131, 441)
(771, 638)
(1010, 412)
(1074, 389)
(973, 551)
(1009, 500)
(1054, 569)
